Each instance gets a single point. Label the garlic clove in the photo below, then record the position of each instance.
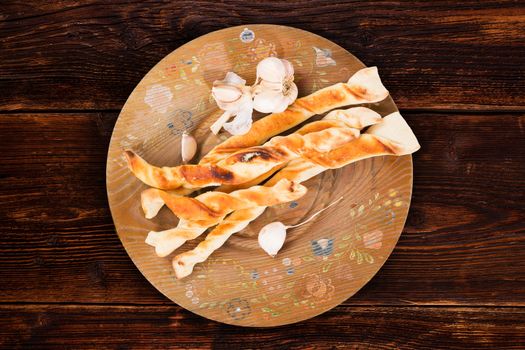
(188, 147)
(225, 94)
(242, 122)
(271, 69)
(265, 85)
(271, 237)
(288, 67)
(232, 78)
(267, 101)
(282, 104)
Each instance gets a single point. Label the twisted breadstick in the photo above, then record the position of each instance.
(183, 263)
(244, 165)
(208, 209)
(392, 136)
(355, 118)
(250, 163)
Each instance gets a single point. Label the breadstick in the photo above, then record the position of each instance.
(198, 214)
(183, 264)
(249, 163)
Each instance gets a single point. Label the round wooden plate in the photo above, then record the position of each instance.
(322, 263)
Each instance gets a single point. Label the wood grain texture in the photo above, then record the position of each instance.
(91, 54)
(169, 327)
(463, 243)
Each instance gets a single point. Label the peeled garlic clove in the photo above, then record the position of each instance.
(271, 237)
(188, 147)
(271, 69)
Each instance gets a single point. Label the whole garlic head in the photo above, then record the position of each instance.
(275, 89)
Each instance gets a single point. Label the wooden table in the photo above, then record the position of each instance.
(457, 72)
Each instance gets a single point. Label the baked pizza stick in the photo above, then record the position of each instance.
(392, 136)
(363, 87)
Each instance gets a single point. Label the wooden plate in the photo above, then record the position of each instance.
(322, 263)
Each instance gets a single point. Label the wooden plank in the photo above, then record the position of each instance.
(464, 242)
(432, 54)
(146, 327)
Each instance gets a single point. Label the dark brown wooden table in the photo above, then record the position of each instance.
(457, 72)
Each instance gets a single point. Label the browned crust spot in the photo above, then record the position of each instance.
(253, 154)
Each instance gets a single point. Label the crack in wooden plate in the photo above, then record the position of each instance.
(321, 264)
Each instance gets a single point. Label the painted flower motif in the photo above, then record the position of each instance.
(373, 240)
(238, 308)
(290, 271)
(254, 275)
(323, 57)
(316, 288)
(287, 261)
(261, 49)
(158, 97)
(323, 247)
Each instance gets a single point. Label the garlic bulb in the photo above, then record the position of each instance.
(275, 89)
(235, 98)
(188, 147)
(272, 236)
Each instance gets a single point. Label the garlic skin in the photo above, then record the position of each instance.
(188, 147)
(275, 89)
(271, 237)
(235, 98)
